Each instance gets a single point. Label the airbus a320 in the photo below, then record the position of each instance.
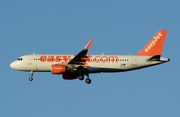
(78, 66)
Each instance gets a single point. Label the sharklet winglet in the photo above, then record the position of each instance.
(88, 45)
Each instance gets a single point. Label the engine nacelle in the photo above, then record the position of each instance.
(58, 69)
(69, 76)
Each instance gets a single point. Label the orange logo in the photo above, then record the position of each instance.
(66, 59)
(153, 42)
(63, 59)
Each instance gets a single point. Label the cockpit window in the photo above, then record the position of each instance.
(20, 59)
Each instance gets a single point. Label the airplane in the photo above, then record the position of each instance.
(77, 66)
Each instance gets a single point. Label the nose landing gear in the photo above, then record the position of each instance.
(30, 79)
(31, 76)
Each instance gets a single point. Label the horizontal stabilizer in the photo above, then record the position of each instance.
(155, 58)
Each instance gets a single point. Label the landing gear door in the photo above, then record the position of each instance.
(134, 61)
(29, 60)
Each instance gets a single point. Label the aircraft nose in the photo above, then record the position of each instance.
(12, 65)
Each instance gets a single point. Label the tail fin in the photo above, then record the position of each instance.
(155, 45)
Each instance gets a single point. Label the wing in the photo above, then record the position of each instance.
(81, 57)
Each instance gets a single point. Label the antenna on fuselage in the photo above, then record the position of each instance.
(33, 52)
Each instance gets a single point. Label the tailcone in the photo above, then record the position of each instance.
(164, 59)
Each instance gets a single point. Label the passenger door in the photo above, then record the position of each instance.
(134, 61)
(29, 60)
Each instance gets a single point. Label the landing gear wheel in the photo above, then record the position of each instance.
(31, 76)
(30, 79)
(81, 77)
(88, 81)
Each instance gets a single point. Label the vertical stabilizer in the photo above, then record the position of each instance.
(155, 45)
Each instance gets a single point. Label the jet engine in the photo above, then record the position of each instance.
(58, 69)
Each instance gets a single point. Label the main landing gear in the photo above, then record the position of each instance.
(83, 72)
(81, 77)
(88, 80)
(31, 76)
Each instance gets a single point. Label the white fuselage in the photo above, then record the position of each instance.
(96, 63)
(80, 65)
